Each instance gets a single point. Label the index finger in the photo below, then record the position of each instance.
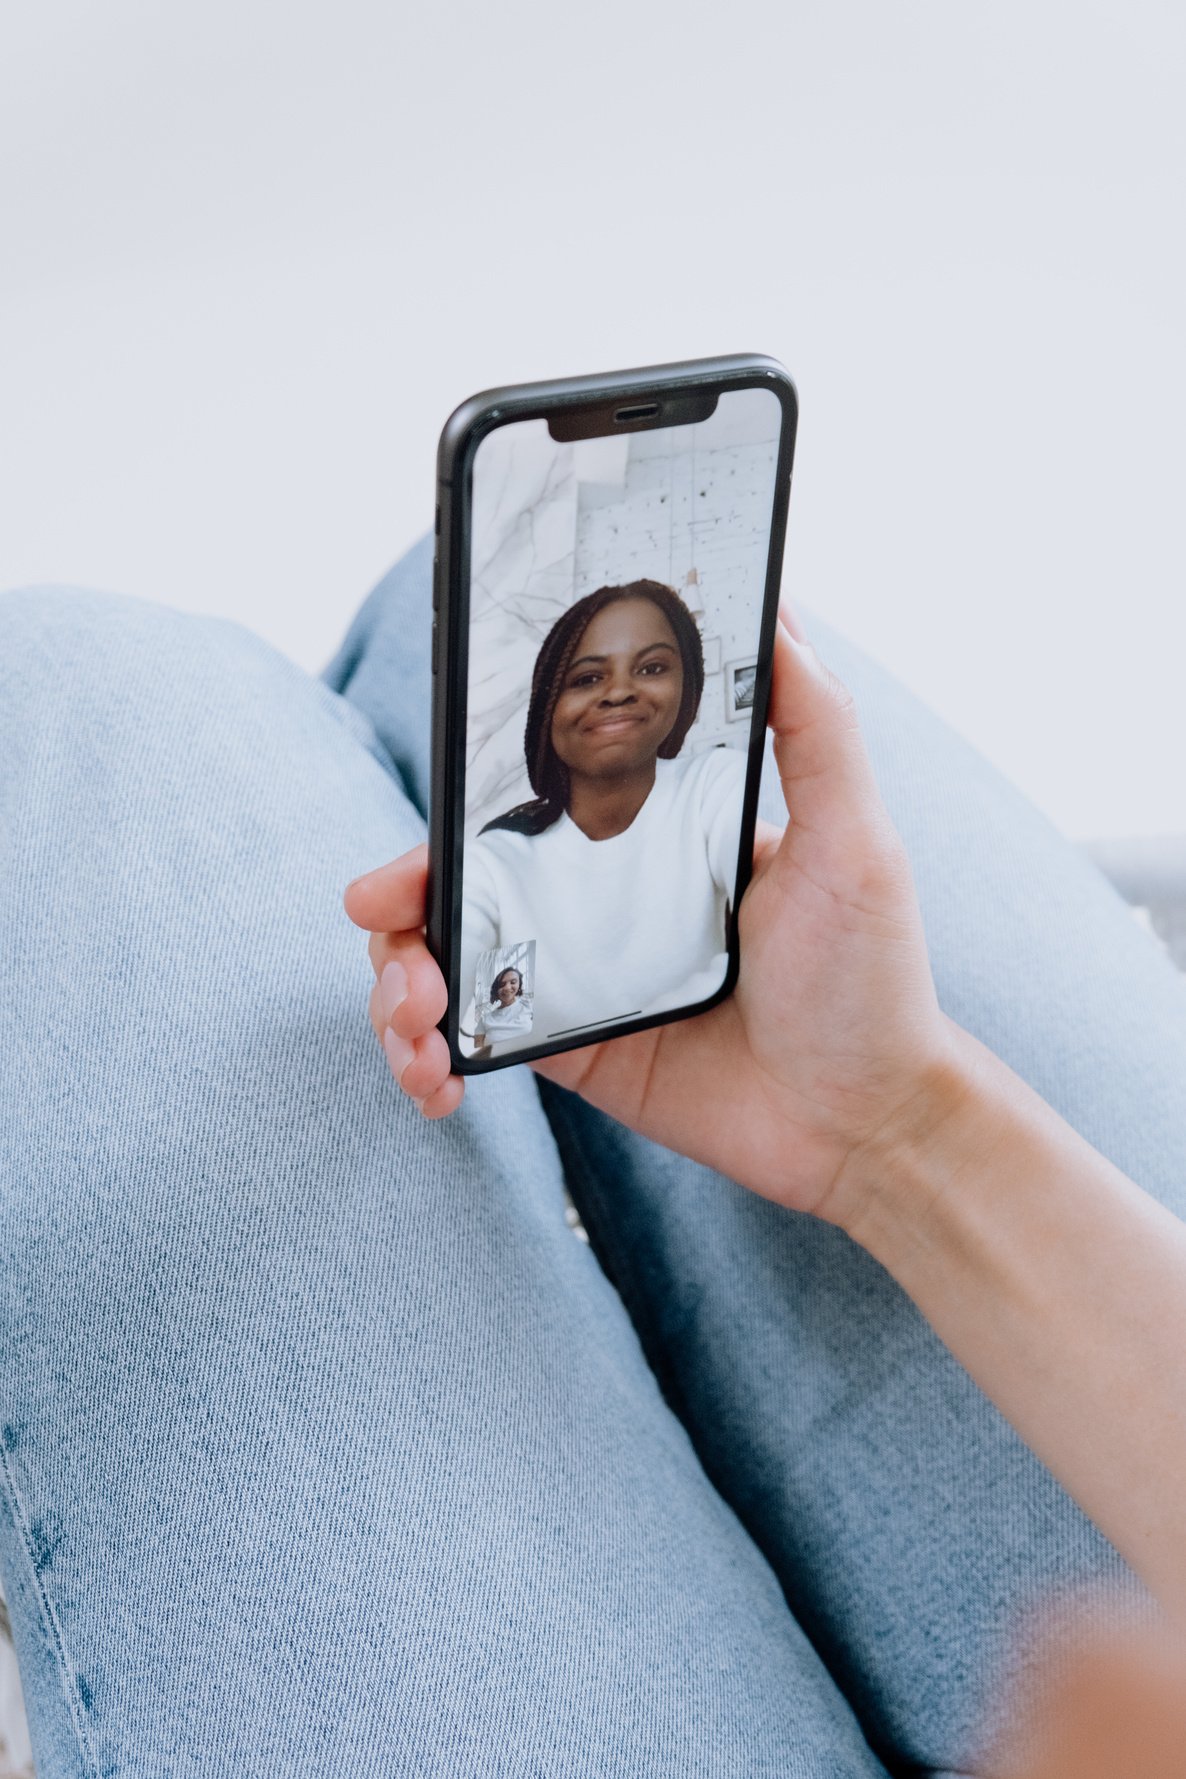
(390, 899)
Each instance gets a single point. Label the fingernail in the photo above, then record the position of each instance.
(400, 1052)
(393, 987)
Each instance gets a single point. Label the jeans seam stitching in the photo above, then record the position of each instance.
(85, 1745)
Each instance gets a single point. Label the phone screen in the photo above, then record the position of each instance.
(616, 594)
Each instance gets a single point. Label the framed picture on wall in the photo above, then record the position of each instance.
(711, 646)
(740, 677)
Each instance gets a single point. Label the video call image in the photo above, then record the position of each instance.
(616, 595)
(503, 997)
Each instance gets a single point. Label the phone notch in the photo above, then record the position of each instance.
(566, 425)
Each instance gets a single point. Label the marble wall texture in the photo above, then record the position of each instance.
(688, 505)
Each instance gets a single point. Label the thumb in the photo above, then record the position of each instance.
(823, 767)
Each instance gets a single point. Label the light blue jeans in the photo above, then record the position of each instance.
(324, 1446)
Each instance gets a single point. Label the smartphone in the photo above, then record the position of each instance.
(605, 593)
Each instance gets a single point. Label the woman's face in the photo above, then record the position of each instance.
(506, 989)
(621, 695)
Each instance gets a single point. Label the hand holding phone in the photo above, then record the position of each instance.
(834, 1015)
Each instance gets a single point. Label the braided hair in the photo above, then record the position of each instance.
(548, 774)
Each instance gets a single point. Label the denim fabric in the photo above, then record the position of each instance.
(323, 1445)
(911, 1530)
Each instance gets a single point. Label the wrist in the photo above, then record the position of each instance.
(891, 1178)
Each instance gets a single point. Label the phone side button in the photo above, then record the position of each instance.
(434, 645)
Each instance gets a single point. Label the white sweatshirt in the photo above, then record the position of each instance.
(498, 1021)
(630, 925)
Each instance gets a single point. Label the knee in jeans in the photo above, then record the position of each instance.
(69, 643)
(111, 666)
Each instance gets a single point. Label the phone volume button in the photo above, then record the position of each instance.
(435, 637)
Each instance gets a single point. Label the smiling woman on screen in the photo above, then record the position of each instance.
(623, 865)
(505, 1014)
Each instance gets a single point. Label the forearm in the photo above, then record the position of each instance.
(1057, 1283)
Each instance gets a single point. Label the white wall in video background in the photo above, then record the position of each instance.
(687, 505)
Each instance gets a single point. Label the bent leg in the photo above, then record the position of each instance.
(323, 1444)
(383, 667)
(909, 1527)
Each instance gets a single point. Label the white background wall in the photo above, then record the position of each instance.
(251, 254)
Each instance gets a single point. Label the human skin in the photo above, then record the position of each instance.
(616, 708)
(1113, 1706)
(831, 1082)
(505, 993)
(508, 991)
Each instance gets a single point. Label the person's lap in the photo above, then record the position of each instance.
(322, 1436)
(910, 1529)
(323, 1444)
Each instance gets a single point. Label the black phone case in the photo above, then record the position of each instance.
(462, 433)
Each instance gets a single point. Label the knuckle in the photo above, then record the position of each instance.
(887, 868)
(436, 995)
(435, 1053)
(427, 997)
(844, 707)
(446, 1098)
(839, 693)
